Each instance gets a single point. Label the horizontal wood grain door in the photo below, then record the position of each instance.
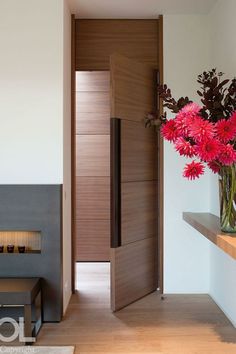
(92, 184)
(133, 183)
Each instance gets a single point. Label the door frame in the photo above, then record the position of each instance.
(160, 177)
(73, 153)
(73, 157)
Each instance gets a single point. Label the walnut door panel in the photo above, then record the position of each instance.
(138, 211)
(93, 81)
(131, 86)
(133, 183)
(92, 166)
(93, 240)
(93, 155)
(133, 272)
(88, 123)
(138, 152)
(93, 102)
(92, 198)
(98, 39)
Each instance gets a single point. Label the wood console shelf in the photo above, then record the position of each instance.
(209, 226)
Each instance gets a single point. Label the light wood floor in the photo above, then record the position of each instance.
(189, 324)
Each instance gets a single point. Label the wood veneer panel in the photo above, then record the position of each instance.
(160, 161)
(92, 102)
(92, 198)
(93, 81)
(132, 89)
(96, 40)
(138, 152)
(133, 277)
(93, 240)
(92, 155)
(138, 211)
(228, 244)
(134, 247)
(97, 123)
(73, 154)
(209, 226)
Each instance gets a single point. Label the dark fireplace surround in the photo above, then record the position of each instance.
(35, 208)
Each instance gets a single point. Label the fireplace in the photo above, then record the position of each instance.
(31, 216)
(20, 241)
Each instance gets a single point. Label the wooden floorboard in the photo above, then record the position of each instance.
(181, 324)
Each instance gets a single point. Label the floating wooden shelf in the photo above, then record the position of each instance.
(209, 226)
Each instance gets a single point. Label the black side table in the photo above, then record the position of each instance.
(25, 292)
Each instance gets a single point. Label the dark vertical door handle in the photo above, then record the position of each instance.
(115, 163)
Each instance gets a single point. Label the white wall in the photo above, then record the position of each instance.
(67, 156)
(192, 264)
(223, 56)
(223, 282)
(35, 101)
(186, 252)
(31, 60)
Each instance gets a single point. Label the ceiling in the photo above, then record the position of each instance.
(137, 8)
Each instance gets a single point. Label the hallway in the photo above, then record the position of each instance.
(181, 324)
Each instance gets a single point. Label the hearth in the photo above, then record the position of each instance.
(31, 217)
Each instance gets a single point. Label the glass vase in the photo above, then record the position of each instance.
(227, 189)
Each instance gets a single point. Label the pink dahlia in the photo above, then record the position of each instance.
(169, 130)
(233, 118)
(214, 166)
(193, 170)
(184, 147)
(225, 130)
(227, 155)
(183, 123)
(191, 109)
(185, 117)
(201, 129)
(208, 149)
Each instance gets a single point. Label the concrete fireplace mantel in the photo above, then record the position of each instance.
(35, 207)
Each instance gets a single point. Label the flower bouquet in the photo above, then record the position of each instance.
(206, 134)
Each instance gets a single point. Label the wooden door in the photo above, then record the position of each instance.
(92, 166)
(133, 183)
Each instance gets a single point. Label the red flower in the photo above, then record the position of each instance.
(227, 155)
(169, 130)
(233, 118)
(201, 129)
(208, 150)
(226, 129)
(185, 117)
(184, 147)
(191, 109)
(214, 166)
(193, 170)
(182, 124)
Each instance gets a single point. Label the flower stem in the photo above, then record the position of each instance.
(228, 192)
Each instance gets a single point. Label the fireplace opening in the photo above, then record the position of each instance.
(12, 242)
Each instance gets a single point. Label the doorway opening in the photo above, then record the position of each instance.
(92, 184)
(120, 50)
(93, 284)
